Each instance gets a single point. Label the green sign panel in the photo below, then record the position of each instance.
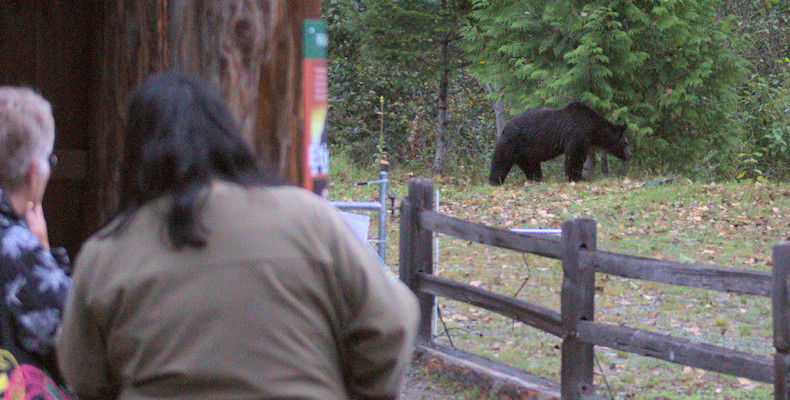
(315, 39)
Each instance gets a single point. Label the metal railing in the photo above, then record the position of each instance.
(378, 206)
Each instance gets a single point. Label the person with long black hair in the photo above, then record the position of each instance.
(216, 282)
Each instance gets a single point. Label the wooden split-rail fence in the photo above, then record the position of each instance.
(575, 324)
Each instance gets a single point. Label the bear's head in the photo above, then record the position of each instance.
(616, 142)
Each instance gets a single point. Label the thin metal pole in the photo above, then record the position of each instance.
(383, 186)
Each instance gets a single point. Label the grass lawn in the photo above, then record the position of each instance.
(730, 224)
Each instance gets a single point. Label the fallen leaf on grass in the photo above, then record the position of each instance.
(693, 330)
(746, 383)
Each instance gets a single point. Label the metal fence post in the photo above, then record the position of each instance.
(383, 189)
(781, 317)
(577, 303)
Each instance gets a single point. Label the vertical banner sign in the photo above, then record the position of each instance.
(315, 170)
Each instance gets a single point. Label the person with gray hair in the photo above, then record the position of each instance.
(34, 278)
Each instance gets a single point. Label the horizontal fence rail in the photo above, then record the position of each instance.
(678, 350)
(575, 324)
(533, 315)
(526, 243)
(700, 276)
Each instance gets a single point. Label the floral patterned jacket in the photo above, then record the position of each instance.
(34, 282)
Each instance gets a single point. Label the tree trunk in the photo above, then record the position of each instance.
(499, 110)
(441, 145)
(278, 138)
(250, 49)
(441, 129)
(227, 43)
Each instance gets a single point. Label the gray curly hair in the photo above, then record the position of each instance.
(27, 132)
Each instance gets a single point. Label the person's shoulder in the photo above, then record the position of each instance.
(285, 199)
(106, 233)
(293, 194)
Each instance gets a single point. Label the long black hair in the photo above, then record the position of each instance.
(179, 136)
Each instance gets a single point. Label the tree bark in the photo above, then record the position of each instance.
(499, 110)
(250, 49)
(278, 138)
(441, 129)
(227, 43)
(441, 145)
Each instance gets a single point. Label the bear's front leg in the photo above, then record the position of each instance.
(500, 166)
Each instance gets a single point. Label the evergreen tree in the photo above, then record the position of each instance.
(420, 36)
(663, 66)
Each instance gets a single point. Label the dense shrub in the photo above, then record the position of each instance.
(764, 110)
(664, 67)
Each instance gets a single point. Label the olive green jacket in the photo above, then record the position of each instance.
(283, 302)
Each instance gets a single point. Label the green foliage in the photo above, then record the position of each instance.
(671, 69)
(372, 55)
(765, 116)
(764, 27)
(749, 167)
(764, 108)
(357, 87)
(419, 36)
(410, 33)
(664, 67)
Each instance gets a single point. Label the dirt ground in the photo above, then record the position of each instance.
(418, 386)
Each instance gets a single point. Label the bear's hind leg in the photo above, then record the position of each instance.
(532, 171)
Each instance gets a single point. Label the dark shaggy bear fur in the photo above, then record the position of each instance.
(542, 134)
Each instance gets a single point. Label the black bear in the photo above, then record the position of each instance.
(542, 134)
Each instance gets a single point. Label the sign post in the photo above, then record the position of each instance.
(314, 77)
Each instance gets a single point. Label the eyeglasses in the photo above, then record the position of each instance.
(53, 160)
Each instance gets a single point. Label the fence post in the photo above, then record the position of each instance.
(781, 317)
(577, 302)
(383, 190)
(416, 249)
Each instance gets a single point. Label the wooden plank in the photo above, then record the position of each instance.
(227, 42)
(700, 276)
(781, 317)
(780, 303)
(781, 368)
(249, 49)
(533, 315)
(416, 249)
(406, 262)
(678, 350)
(479, 233)
(577, 302)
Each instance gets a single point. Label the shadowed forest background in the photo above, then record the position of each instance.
(704, 85)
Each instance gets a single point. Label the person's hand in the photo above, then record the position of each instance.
(34, 217)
